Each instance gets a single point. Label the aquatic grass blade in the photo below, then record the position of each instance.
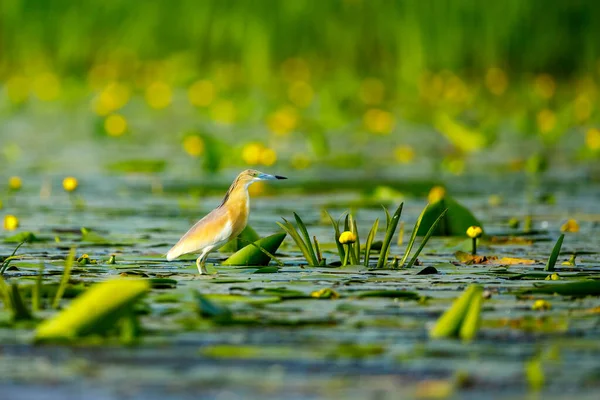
(8, 259)
(19, 309)
(472, 321)
(318, 250)
(64, 281)
(391, 228)
(95, 311)
(291, 230)
(413, 236)
(426, 238)
(370, 239)
(336, 227)
(304, 231)
(356, 245)
(388, 217)
(448, 325)
(554, 255)
(36, 302)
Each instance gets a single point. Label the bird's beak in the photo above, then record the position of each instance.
(267, 177)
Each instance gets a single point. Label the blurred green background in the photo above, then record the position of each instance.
(442, 86)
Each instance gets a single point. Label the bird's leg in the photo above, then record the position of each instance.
(200, 263)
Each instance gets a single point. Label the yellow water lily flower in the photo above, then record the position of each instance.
(70, 183)
(347, 237)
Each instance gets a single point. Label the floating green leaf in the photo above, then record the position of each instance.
(577, 289)
(252, 253)
(395, 294)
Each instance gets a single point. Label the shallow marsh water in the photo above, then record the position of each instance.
(356, 346)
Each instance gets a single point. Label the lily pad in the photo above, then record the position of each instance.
(252, 254)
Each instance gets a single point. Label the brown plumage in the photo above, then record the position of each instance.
(222, 224)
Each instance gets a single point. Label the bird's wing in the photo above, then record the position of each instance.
(216, 227)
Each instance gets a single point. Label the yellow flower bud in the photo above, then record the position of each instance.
(14, 183)
(541, 305)
(570, 226)
(474, 232)
(436, 194)
(70, 183)
(325, 293)
(11, 222)
(347, 237)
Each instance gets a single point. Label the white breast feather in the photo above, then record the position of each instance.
(186, 246)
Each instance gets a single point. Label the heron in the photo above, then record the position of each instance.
(222, 224)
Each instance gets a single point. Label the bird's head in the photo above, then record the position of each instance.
(250, 176)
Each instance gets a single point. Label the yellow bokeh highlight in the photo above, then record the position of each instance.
(582, 108)
(404, 154)
(115, 125)
(496, 81)
(283, 121)
(201, 93)
(257, 189)
(224, 112)
(546, 121)
(46, 86)
(113, 97)
(159, 95)
(371, 91)
(258, 154)
(268, 157)
(10, 222)
(193, 145)
(592, 139)
(300, 94)
(251, 153)
(15, 183)
(295, 69)
(379, 121)
(70, 183)
(436, 194)
(17, 89)
(544, 86)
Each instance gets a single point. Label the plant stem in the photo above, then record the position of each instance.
(474, 251)
(346, 255)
